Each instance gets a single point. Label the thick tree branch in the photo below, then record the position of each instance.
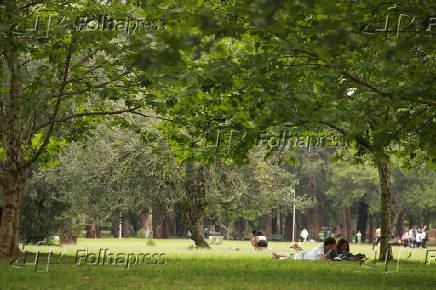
(101, 113)
(30, 4)
(333, 126)
(2, 171)
(87, 90)
(367, 85)
(160, 118)
(422, 101)
(387, 94)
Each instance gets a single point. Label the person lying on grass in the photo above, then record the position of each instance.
(342, 252)
(319, 253)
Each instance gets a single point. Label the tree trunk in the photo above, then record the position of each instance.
(225, 230)
(180, 227)
(172, 225)
(315, 210)
(344, 223)
(12, 128)
(115, 227)
(276, 230)
(315, 222)
(385, 213)
(194, 202)
(165, 226)
(125, 227)
(344, 218)
(362, 219)
(371, 229)
(90, 231)
(243, 226)
(236, 229)
(398, 222)
(324, 206)
(306, 223)
(67, 237)
(288, 228)
(145, 223)
(13, 186)
(265, 224)
(156, 224)
(97, 230)
(349, 224)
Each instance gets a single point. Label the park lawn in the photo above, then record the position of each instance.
(232, 265)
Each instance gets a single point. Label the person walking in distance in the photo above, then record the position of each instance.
(377, 235)
(418, 238)
(359, 237)
(304, 234)
(424, 236)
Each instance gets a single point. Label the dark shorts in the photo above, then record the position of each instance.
(262, 243)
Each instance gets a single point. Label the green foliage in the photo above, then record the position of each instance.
(141, 234)
(216, 70)
(44, 207)
(151, 243)
(52, 241)
(305, 66)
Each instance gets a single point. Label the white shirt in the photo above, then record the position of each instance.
(315, 254)
(261, 238)
(424, 234)
(418, 237)
(304, 233)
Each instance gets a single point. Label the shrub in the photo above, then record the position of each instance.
(141, 234)
(151, 242)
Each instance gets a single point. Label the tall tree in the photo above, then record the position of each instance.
(312, 67)
(46, 80)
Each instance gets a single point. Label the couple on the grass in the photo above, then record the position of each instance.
(259, 241)
(327, 250)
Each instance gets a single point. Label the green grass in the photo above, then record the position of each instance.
(232, 265)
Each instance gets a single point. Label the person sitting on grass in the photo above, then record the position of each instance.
(262, 242)
(342, 252)
(318, 253)
(254, 240)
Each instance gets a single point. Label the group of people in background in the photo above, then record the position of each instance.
(415, 237)
(325, 232)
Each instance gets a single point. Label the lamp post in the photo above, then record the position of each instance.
(120, 227)
(293, 217)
